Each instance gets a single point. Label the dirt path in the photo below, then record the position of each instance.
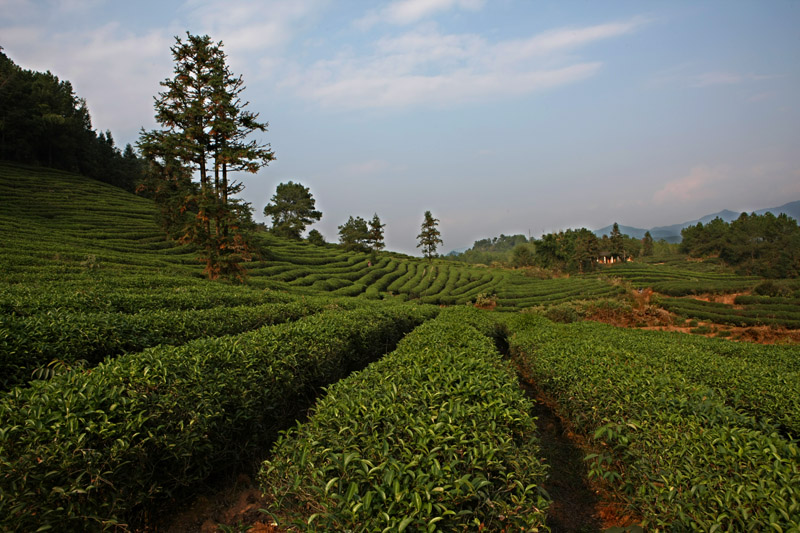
(574, 501)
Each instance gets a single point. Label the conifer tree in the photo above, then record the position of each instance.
(617, 242)
(430, 237)
(205, 130)
(647, 244)
(375, 238)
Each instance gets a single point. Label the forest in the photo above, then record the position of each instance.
(43, 122)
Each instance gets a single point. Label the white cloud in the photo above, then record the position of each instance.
(106, 66)
(428, 67)
(402, 12)
(247, 25)
(701, 183)
(716, 78)
(565, 38)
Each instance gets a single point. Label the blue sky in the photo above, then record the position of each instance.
(499, 116)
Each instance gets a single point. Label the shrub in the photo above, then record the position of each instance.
(435, 436)
(86, 449)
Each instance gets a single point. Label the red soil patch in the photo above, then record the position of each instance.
(644, 315)
(720, 298)
(235, 504)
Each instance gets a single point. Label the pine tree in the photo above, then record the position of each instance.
(647, 244)
(375, 235)
(205, 126)
(617, 242)
(429, 238)
(292, 208)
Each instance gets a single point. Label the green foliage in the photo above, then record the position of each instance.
(34, 341)
(647, 245)
(205, 130)
(570, 251)
(291, 209)
(678, 277)
(523, 255)
(316, 238)
(429, 237)
(763, 245)
(770, 288)
(42, 121)
(689, 429)
(759, 313)
(354, 234)
(375, 234)
(433, 437)
(84, 449)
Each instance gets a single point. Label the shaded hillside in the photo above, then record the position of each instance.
(672, 233)
(90, 231)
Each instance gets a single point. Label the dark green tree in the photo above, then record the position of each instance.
(316, 238)
(429, 237)
(647, 244)
(43, 122)
(375, 234)
(523, 255)
(617, 242)
(585, 249)
(354, 234)
(205, 126)
(292, 208)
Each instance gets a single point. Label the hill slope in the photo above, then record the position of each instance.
(672, 233)
(58, 227)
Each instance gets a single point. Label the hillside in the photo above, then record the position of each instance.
(91, 231)
(672, 233)
(130, 382)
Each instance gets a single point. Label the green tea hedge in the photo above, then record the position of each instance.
(436, 436)
(85, 451)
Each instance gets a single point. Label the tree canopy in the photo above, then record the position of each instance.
(429, 237)
(292, 208)
(205, 126)
(354, 234)
(43, 122)
(763, 245)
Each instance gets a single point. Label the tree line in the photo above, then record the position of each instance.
(293, 207)
(187, 166)
(43, 122)
(764, 245)
(573, 250)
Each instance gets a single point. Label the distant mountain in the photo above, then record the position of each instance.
(673, 233)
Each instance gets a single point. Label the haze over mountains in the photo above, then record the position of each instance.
(673, 233)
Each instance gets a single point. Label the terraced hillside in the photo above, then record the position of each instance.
(60, 227)
(129, 380)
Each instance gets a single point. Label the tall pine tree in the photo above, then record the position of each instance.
(429, 236)
(205, 130)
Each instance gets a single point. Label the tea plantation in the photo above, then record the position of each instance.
(127, 380)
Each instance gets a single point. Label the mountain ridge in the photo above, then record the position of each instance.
(672, 233)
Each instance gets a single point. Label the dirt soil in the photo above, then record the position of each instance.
(234, 504)
(644, 315)
(579, 504)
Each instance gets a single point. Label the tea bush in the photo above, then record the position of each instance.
(433, 437)
(85, 450)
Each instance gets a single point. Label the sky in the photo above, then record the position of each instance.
(498, 116)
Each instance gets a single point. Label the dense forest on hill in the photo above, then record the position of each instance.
(564, 251)
(43, 122)
(763, 245)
